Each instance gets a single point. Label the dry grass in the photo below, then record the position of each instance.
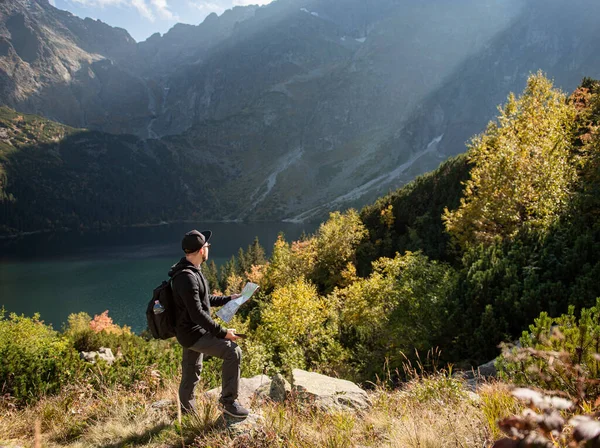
(428, 412)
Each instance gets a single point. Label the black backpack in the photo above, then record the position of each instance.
(162, 325)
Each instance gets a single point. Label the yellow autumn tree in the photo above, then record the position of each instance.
(298, 327)
(521, 172)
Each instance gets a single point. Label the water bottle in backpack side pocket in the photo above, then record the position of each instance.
(158, 307)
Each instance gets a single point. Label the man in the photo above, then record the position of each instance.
(196, 330)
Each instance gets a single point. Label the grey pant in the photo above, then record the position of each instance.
(191, 366)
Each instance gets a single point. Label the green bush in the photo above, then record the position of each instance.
(34, 359)
(398, 309)
(557, 352)
(139, 362)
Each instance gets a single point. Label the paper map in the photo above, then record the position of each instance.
(228, 310)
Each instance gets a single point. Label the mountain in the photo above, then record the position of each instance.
(54, 177)
(305, 105)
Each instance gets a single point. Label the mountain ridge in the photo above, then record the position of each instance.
(308, 105)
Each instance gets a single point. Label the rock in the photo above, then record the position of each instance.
(280, 388)
(162, 404)
(238, 427)
(476, 376)
(248, 387)
(106, 354)
(263, 392)
(329, 393)
(487, 370)
(103, 353)
(88, 356)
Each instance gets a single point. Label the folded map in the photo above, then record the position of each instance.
(228, 310)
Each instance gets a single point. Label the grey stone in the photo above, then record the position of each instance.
(248, 387)
(162, 404)
(280, 388)
(262, 393)
(88, 356)
(238, 427)
(106, 354)
(103, 353)
(487, 370)
(329, 393)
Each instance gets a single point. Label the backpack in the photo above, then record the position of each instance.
(162, 325)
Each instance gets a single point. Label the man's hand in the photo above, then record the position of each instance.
(231, 335)
(235, 296)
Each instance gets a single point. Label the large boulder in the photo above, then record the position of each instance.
(329, 393)
(248, 387)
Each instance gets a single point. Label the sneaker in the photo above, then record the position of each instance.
(235, 409)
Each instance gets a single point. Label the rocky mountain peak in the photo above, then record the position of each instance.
(320, 104)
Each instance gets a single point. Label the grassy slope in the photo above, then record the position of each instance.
(429, 412)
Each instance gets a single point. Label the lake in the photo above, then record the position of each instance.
(62, 273)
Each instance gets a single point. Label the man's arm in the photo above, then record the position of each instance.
(218, 300)
(222, 300)
(189, 291)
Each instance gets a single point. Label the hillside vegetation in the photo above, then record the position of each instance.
(461, 259)
(54, 177)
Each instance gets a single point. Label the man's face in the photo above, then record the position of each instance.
(204, 252)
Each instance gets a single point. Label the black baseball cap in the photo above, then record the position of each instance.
(194, 240)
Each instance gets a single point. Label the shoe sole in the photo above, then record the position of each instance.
(225, 411)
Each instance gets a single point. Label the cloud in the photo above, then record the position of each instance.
(52, 2)
(148, 9)
(250, 2)
(219, 6)
(208, 7)
(100, 3)
(153, 10)
(162, 8)
(143, 9)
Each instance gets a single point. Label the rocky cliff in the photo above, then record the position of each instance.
(309, 105)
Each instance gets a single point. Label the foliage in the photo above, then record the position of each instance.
(327, 259)
(34, 359)
(497, 403)
(522, 175)
(289, 262)
(298, 328)
(335, 246)
(544, 423)
(550, 350)
(410, 219)
(139, 363)
(399, 308)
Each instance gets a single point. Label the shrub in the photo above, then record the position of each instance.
(557, 352)
(398, 309)
(139, 363)
(298, 328)
(34, 359)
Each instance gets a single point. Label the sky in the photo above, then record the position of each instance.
(142, 18)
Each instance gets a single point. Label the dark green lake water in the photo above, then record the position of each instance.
(63, 273)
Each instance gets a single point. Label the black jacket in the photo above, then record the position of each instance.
(193, 300)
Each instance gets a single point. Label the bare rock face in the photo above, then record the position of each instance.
(319, 109)
(329, 393)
